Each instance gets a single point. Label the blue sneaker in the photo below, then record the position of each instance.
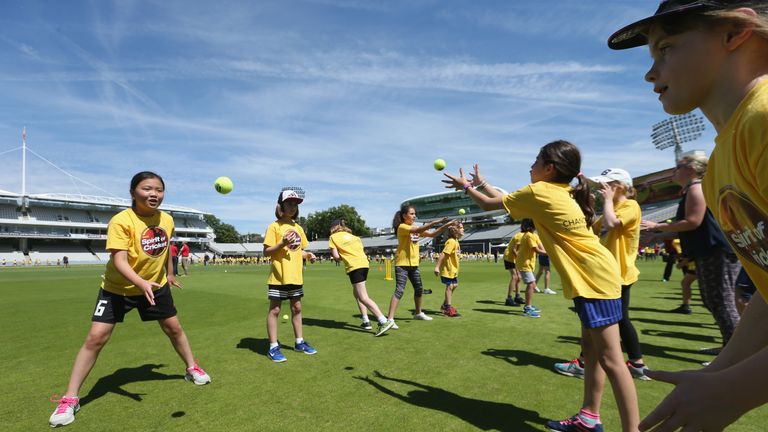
(571, 368)
(305, 348)
(276, 355)
(573, 424)
(531, 312)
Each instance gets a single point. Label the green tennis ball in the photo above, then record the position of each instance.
(462, 211)
(669, 221)
(223, 185)
(285, 317)
(439, 164)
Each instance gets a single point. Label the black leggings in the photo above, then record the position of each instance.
(626, 329)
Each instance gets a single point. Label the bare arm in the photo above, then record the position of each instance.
(439, 264)
(695, 210)
(120, 258)
(540, 249)
(422, 228)
(610, 220)
(335, 255)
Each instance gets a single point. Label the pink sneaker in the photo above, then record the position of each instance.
(197, 375)
(64, 413)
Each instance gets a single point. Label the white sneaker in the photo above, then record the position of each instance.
(197, 375)
(537, 289)
(64, 413)
(394, 325)
(549, 291)
(422, 316)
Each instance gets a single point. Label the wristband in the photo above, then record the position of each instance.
(467, 186)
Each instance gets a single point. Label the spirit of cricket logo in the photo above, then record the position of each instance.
(154, 241)
(744, 226)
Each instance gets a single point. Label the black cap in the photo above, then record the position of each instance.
(334, 223)
(631, 36)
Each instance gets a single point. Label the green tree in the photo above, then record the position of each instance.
(317, 223)
(225, 233)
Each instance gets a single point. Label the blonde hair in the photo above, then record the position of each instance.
(677, 24)
(759, 23)
(340, 227)
(697, 162)
(453, 230)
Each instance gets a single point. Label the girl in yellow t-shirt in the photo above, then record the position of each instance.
(139, 276)
(407, 258)
(525, 262)
(284, 243)
(348, 247)
(447, 268)
(589, 273)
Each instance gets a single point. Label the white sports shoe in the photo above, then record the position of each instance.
(549, 291)
(422, 316)
(394, 325)
(64, 413)
(197, 375)
(537, 290)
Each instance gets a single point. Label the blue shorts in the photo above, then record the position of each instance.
(449, 281)
(595, 313)
(544, 260)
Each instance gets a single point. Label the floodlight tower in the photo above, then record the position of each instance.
(676, 130)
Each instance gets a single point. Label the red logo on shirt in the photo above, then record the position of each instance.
(744, 225)
(154, 241)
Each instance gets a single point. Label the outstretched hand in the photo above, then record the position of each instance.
(455, 182)
(477, 179)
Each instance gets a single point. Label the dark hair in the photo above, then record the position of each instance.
(398, 219)
(280, 209)
(566, 159)
(526, 225)
(140, 177)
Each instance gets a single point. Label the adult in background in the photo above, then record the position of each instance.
(175, 258)
(184, 257)
(703, 242)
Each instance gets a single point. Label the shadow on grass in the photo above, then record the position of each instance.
(671, 353)
(678, 335)
(259, 346)
(666, 323)
(485, 415)
(332, 324)
(491, 302)
(113, 383)
(522, 358)
(508, 311)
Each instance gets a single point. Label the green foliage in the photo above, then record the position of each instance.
(317, 223)
(225, 233)
(490, 369)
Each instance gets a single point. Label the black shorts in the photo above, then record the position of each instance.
(111, 308)
(358, 275)
(543, 260)
(285, 292)
(509, 265)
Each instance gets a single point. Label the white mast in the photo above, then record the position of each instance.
(24, 162)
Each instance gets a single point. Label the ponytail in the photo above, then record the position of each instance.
(398, 219)
(584, 198)
(566, 158)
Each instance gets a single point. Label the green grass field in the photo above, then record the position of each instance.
(490, 369)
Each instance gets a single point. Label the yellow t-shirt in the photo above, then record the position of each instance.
(509, 253)
(587, 269)
(526, 253)
(450, 265)
(287, 265)
(736, 183)
(624, 242)
(147, 242)
(350, 247)
(407, 254)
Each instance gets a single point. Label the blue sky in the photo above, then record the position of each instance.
(350, 99)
